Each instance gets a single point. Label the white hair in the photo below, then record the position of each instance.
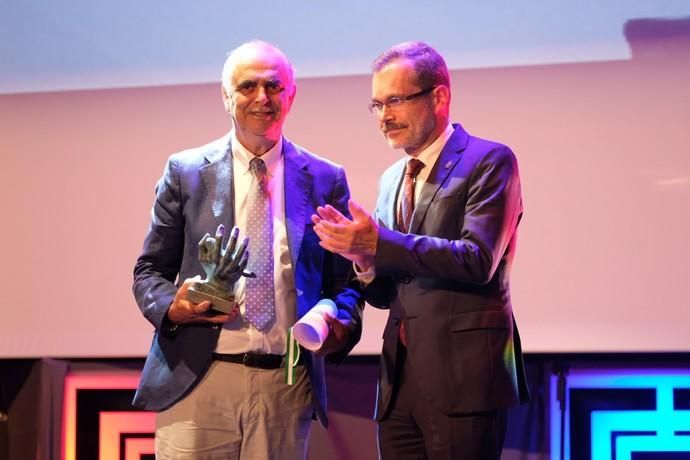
(230, 61)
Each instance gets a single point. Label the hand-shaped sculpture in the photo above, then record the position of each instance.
(223, 268)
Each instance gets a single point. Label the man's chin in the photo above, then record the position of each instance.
(396, 139)
(264, 127)
(395, 144)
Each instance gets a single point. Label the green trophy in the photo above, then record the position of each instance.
(223, 268)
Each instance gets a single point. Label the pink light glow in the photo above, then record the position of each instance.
(136, 447)
(114, 423)
(115, 380)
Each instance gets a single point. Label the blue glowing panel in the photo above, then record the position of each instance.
(623, 415)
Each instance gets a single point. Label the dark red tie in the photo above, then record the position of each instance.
(407, 202)
(405, 215)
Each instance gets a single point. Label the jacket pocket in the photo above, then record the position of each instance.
(491, 319)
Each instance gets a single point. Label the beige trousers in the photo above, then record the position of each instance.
(239, 412)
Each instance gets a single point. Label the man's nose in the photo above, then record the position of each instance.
(385, 114)
(261, 95)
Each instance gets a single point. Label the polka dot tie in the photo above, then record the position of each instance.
(259, 298)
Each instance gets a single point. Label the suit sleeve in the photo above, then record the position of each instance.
(159, 263)
(488, 221)
(339, 282)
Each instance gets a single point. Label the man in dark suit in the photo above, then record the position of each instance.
(438, 256)
(218, 380)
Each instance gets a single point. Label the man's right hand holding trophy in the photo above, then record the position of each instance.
(212, 300)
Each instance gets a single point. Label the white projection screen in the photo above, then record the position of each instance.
(594, 98)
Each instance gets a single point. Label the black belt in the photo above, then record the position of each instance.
(262, 361)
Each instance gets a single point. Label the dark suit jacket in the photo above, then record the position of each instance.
(449, 278)
(194, 195)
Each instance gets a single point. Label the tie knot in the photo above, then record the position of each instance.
(413, 167)
(257, 167)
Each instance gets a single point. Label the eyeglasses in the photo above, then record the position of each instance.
(376, 107)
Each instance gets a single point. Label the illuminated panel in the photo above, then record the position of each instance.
(135, 448)
(113, 424)
(622, 431)
(87, 380)
(626, 447)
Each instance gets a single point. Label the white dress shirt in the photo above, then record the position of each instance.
(237, 335)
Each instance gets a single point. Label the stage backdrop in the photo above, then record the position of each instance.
(593, 98)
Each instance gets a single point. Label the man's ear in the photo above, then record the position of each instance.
(227, 101)
(442, 96)
(291, 97)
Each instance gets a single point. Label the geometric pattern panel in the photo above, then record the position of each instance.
(614, 414)
(137, 448)
(116, 428)
(99, 421)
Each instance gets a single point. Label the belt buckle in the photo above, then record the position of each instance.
(245, 359)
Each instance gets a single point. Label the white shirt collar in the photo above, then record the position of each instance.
(429, 155)
(244, 156)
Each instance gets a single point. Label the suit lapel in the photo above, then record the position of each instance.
(389, 208)
(217, 178)
(298, 185)
(445, 163)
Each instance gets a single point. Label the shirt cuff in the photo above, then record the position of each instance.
(365, 277)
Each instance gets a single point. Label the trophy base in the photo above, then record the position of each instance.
(199, 292)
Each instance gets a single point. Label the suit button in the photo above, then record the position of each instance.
(396, 321)
(215, 326)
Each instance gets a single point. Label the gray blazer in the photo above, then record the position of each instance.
(194, 195)
(450, 278)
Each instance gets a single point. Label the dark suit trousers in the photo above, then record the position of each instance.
(414, 429)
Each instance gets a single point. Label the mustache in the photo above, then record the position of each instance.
(267, 107)
(390, 126)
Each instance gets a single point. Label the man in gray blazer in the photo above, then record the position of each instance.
(438, 256)
(219, 380)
